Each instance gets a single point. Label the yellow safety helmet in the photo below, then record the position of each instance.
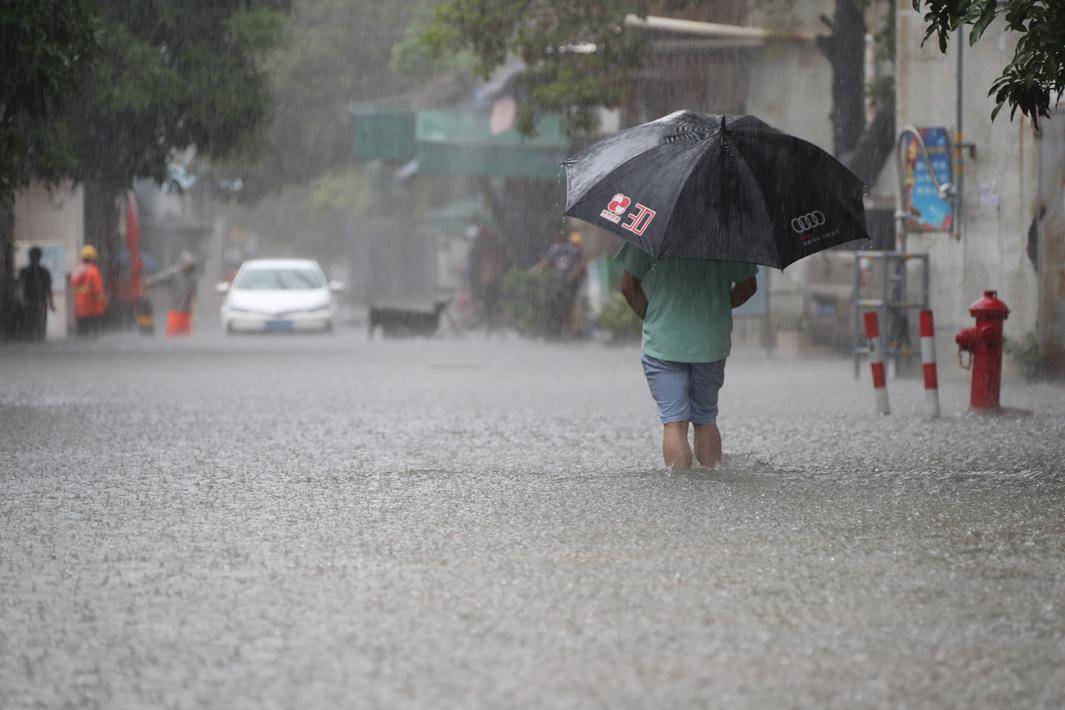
(88, 253)
(576, 239)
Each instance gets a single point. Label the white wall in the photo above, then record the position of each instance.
(55, 218)
(791, 81)
(991, 253)
(791, 89)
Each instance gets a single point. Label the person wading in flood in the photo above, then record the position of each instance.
(687, 335)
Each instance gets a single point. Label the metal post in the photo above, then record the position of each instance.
(901, 319)
(900, 325)
(926, 283)
(884, 309)
(767, 328)
(901, 233)
(855, 326)
(959, 172)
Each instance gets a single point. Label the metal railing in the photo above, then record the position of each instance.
(892, 301)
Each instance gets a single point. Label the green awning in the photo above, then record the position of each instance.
(384, 134)
(472, 128)
(461, 142)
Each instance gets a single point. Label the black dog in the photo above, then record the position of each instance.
(399, 322)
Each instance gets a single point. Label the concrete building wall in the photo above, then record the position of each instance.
(790, 88)
(51, 215)
(1050, 247)
(1000, 182)
(791, 81)
(54, 219)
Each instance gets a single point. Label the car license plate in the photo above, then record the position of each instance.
(279, 326)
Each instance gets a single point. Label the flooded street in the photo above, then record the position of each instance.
(329, 522)
(257, 450)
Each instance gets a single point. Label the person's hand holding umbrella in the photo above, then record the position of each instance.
(743, 291)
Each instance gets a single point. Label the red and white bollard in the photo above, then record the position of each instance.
(876, 363)
(928, 362)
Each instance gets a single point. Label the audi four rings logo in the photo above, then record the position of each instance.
(806, 222)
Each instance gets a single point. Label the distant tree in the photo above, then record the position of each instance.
(580, 55)
(1035, 77)
(332, 53)
(302, 188)
(863, 145)
(46, 49)
(169, 74)
(554, 38)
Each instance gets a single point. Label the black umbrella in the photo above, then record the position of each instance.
(698, 186)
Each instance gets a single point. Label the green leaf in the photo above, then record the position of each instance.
(985, 18)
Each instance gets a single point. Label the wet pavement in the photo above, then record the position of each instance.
(330, 522)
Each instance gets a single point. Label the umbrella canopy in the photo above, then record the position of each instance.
(702, 186)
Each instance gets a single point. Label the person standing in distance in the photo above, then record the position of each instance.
(90, 299)
(181, 278)
(37, 299)
(686, 311)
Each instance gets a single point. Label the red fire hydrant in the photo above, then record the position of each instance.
(984, 343)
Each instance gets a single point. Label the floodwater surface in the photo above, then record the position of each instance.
(324, 522)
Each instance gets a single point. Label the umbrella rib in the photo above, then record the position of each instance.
(734, 154)
(695, 164)
(616, 138)
(740, 160)
(817, 176)
(580, 200)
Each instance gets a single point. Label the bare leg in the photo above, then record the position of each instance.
(675, 449)
(707, 444)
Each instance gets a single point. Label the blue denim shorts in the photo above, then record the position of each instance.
(684, 391)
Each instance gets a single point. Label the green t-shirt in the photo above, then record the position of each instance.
(689, 311)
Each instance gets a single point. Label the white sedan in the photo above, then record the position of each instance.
(279, 295)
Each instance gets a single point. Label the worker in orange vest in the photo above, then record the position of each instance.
(90, 301)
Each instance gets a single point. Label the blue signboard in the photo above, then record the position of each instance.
(927, 211)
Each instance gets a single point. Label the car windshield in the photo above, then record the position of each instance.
(279, 279)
